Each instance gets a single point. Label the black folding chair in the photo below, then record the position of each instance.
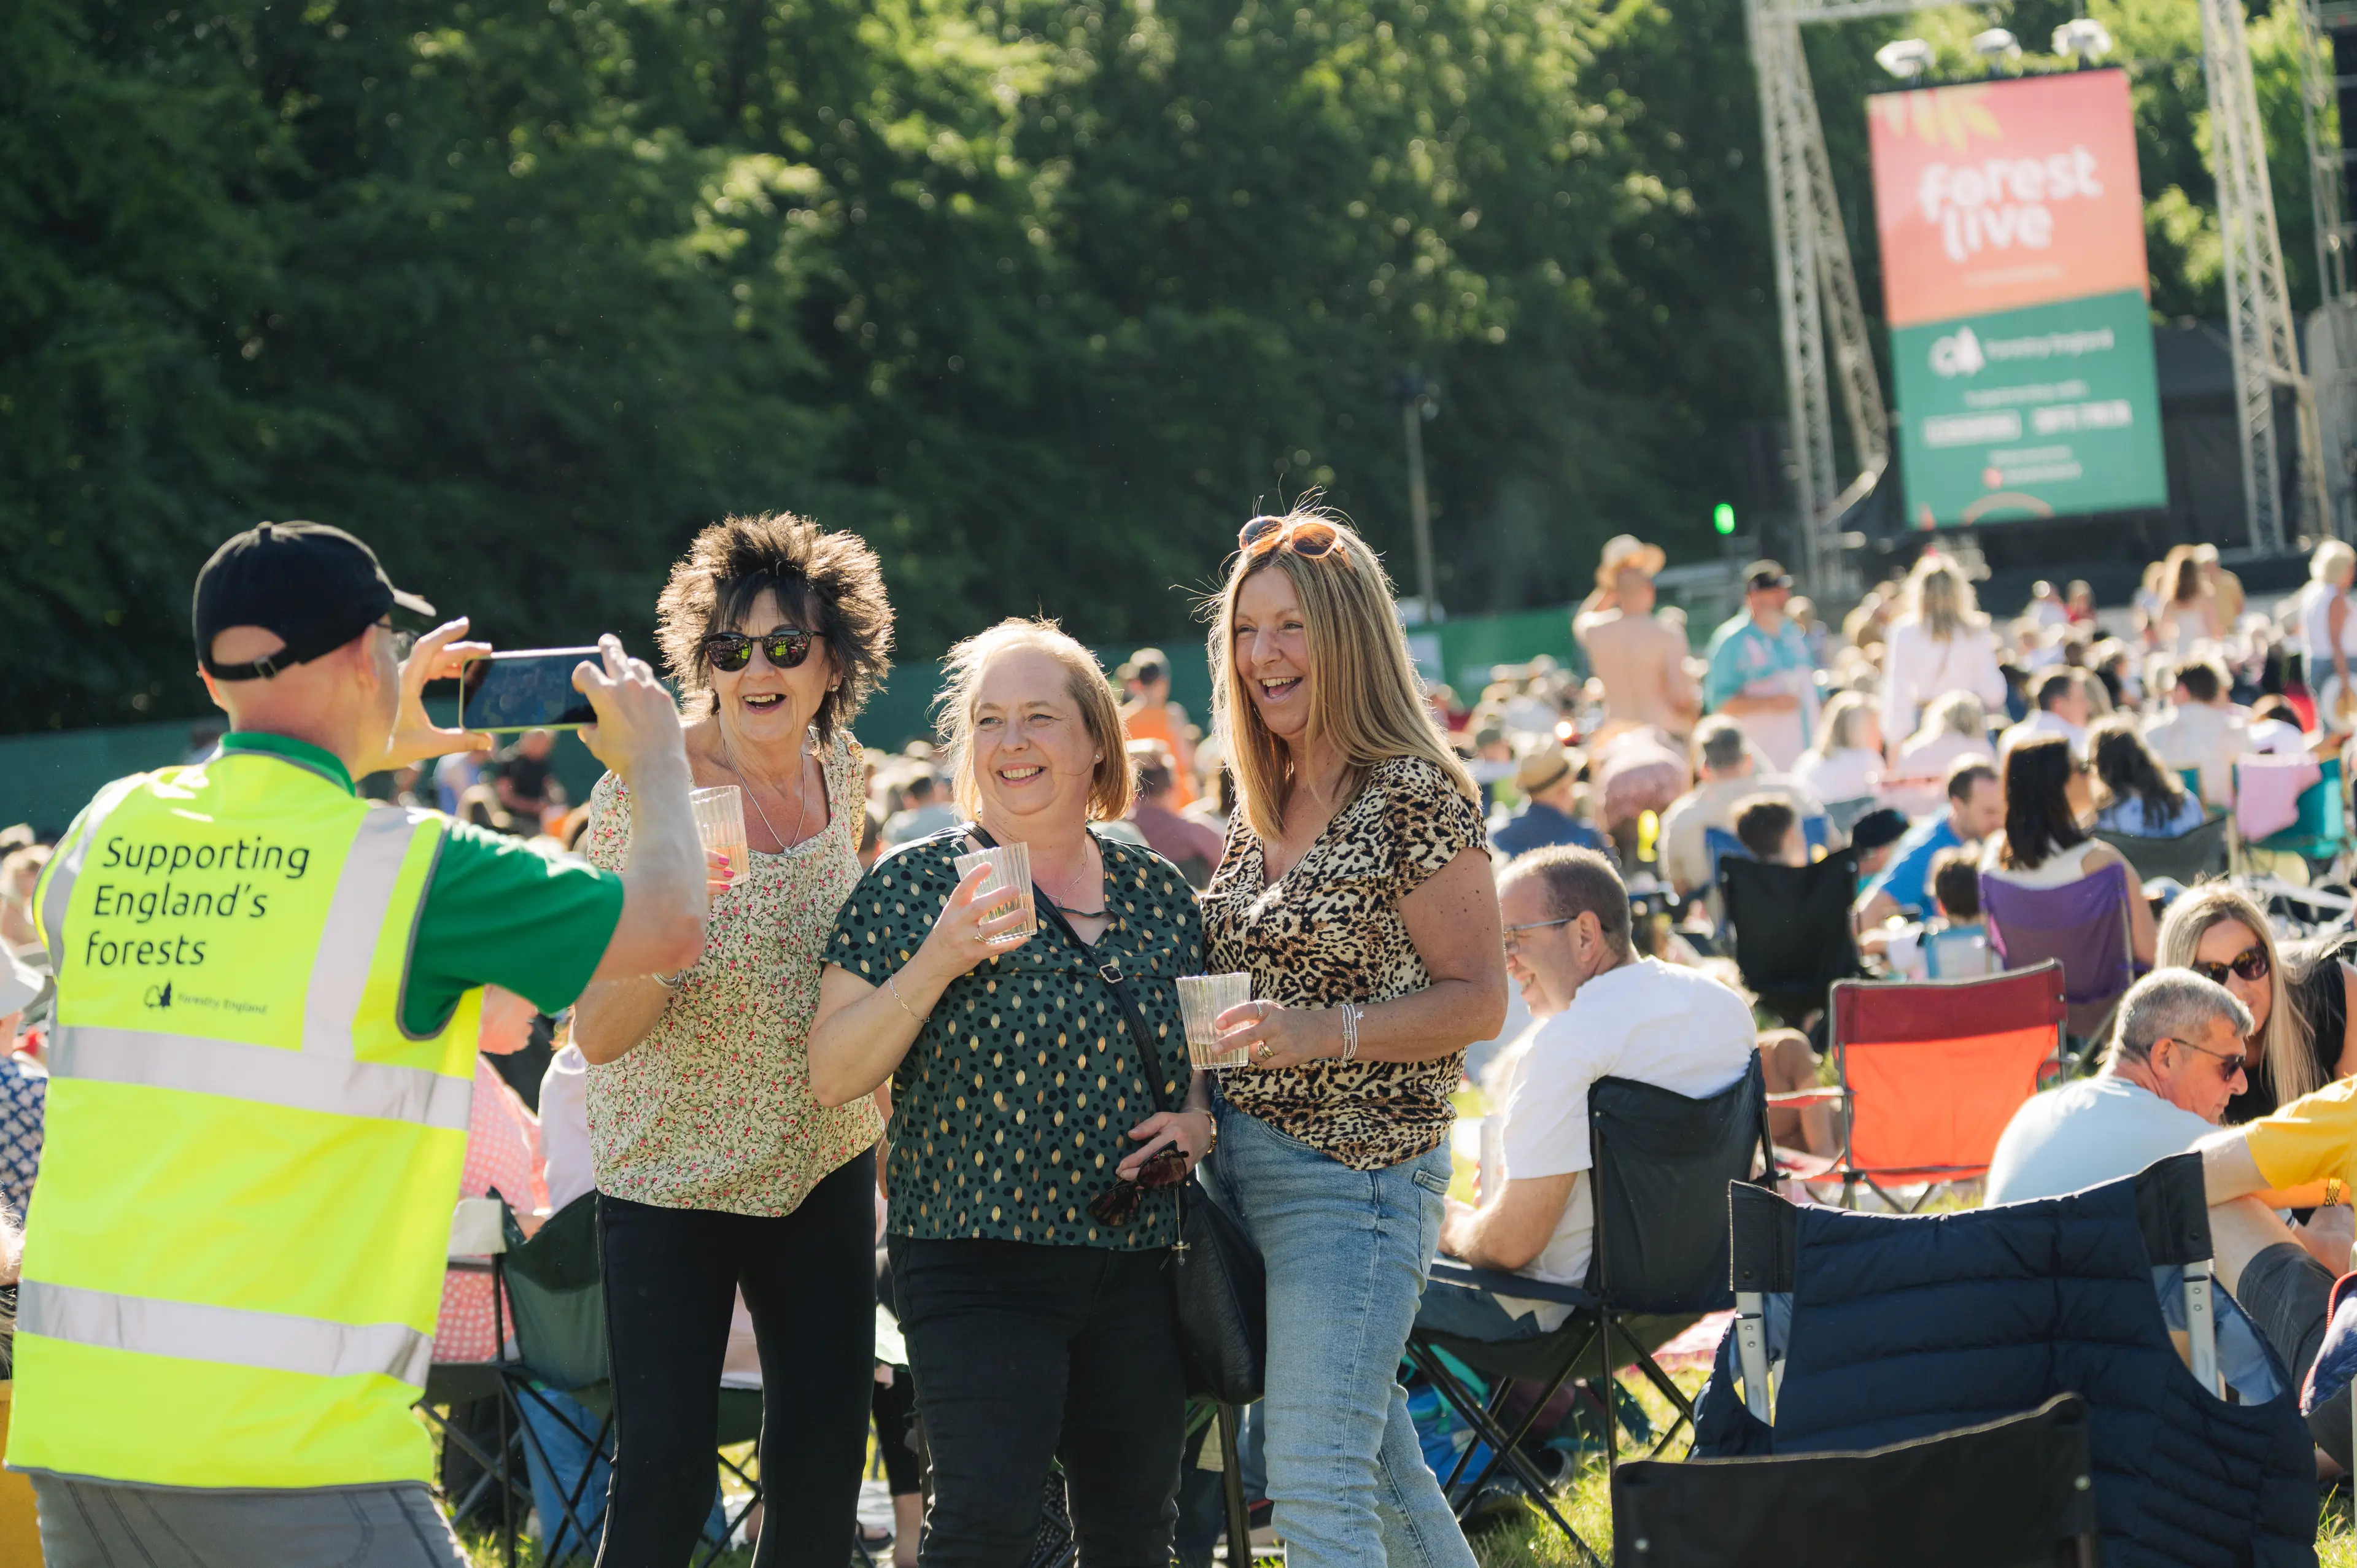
(2190, 856)
(1791, 925)
(2016, 1492)
(1661, 1162)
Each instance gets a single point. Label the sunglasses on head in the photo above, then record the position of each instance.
(1310, 536)
(731, 652)
(2250, 964)
(1117, 1205)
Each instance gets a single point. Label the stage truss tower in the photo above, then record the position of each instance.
(1818, 304)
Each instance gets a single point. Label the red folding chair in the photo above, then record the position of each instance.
(1930, 1071)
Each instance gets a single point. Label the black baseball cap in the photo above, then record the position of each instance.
(316, 587)
(1765, 575)
(1884, 824)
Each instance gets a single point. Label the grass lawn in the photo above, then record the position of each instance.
(1532, 1541)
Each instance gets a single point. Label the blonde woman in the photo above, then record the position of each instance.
(1357, 892)
(2328, 630)
(1939, 643)
(2189, 612)
(1030, 1179)
(1845, 762)
(2300, 1008)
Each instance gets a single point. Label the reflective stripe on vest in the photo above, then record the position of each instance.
(190, 1331)
(203, 1304)
(300, 1080)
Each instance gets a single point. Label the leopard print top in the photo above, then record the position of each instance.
(1329, 931)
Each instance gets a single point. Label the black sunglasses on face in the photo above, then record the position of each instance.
(731, 652)
(2229, 1062)
(1117, 1205)
(2250, 964)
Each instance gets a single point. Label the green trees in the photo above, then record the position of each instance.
(1043, 297)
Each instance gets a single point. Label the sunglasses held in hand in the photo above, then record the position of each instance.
(1117, 1205)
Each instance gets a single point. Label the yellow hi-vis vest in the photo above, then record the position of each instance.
(235, 1259)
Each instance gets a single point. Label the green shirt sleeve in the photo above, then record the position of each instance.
(501, 913)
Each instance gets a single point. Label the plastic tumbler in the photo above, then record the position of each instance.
(1009, 886)
(1202, 999)
(720, 826)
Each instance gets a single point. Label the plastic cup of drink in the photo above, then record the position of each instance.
(720, 826)
(1009, 886)
(1202, 999)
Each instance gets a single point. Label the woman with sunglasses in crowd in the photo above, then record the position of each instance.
(717, 1170)
(1030, 1175)
(2300, 1003)
(1356, 890)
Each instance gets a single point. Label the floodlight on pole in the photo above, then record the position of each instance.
(1996, 46)
(1905, 58)
(2083, 37)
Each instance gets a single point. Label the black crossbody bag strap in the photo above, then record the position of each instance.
(1108, 971)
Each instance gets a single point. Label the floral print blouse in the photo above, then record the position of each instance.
(712, 1110)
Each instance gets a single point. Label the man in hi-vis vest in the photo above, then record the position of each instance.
(268, 993)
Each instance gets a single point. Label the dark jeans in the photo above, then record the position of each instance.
(1022, 1352)
(672, 1276)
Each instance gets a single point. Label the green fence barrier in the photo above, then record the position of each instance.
(45, 778)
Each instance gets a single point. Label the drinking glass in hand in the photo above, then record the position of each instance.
(1202, 999)
(1009, 886)
(720, 827)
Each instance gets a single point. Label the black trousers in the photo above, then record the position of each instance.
(672, 1276)
(1022, 1352)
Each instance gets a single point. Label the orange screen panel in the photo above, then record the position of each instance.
(1994, 195)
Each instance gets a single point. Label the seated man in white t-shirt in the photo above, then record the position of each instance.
(2175, 1059)
(1602, 1012)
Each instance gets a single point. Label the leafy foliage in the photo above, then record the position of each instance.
(1043, 297)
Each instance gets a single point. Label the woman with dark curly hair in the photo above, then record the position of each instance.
(716, 1168)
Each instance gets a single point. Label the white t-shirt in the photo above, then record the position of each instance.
(565, 1127)
(2043, 722)
(2084, 1133)
(1676, 1028)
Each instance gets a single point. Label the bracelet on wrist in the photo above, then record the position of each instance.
(1350, 1016)
(892, 983)
(670, 982)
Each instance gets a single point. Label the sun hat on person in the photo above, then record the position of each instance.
(1543, 769)
(1625, 551)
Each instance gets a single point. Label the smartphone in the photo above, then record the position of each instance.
(532, 689)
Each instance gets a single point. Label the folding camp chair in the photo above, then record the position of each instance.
(1844, 814)
(2082, 926)
(1791, 925)
(1930, 1071)
(552, 1284)
(1856, 1331)
(2188, 857)
(1659, 1162)
(2321, 833)
(2019, 1491)
(1961, 952)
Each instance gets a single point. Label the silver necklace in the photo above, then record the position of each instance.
(1097, 914)
(801, 817)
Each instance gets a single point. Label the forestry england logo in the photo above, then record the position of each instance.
(1959, 354)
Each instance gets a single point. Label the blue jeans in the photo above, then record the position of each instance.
(1346, 1252)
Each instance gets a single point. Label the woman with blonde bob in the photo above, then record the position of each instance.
(1356, 891)
(1939, 643)
(1030, 1179)
(2300, 1004)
